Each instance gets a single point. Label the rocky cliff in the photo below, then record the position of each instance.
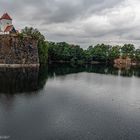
(18, 51)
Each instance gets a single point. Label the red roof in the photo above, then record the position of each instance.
(8, 28)
(6, 16)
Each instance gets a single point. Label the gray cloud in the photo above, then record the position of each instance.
(78, 21)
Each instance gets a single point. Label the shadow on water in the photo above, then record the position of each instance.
(22, 80)
(29, 80)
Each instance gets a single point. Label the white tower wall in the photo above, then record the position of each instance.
(0, 26)
(4, 23)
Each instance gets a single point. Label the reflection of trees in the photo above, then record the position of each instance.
(43, 76)
(127, 72)
(67, 69)
(102, 69)
(137, 72)
(62, 69)
(29, 80)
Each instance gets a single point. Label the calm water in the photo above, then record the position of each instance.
(66, 102)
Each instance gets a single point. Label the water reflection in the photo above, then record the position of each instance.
(71, 102)
(63, 69)
(20, 80)
(31, 79)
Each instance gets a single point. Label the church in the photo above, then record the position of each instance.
(6, 26)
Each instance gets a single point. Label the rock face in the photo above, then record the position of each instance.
(18, 51)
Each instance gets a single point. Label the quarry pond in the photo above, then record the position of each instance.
(68, 102)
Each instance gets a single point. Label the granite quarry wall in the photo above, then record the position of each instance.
(17, 52)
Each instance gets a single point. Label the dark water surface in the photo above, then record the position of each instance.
(64, 102)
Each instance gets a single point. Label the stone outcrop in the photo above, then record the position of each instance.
(122, 63)
(126, 61)
(18, 51)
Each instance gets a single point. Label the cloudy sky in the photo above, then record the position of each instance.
(82, 22)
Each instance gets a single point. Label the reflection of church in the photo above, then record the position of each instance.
(6, 26)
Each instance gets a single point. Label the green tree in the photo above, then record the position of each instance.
(63, 51)
(100, 52)
(128, 51)
(137, 54)
(34, 33)
(114, 53)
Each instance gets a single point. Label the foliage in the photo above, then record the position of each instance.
(64, 52)
(114, 52)
(34, 33)
(128, 51)
(137, 55)
(99, 53)
(43, 51)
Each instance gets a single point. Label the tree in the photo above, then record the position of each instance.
(34, 33)
(63, 51)
(43, 51)
(128, 51)
(137, 54)
(100, 52)
(114, 53)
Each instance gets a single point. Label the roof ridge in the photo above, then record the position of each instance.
(6, 16)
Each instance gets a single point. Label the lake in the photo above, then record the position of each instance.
(69, 102)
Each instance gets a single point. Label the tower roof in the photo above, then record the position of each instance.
(8, 28)
(6, 16)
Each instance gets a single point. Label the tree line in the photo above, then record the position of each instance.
(99, 53)
(64, 52)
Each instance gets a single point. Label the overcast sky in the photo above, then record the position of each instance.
(82, 22)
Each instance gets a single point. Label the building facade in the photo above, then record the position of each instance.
(6, 26)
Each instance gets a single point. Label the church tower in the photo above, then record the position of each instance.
(5, 21)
